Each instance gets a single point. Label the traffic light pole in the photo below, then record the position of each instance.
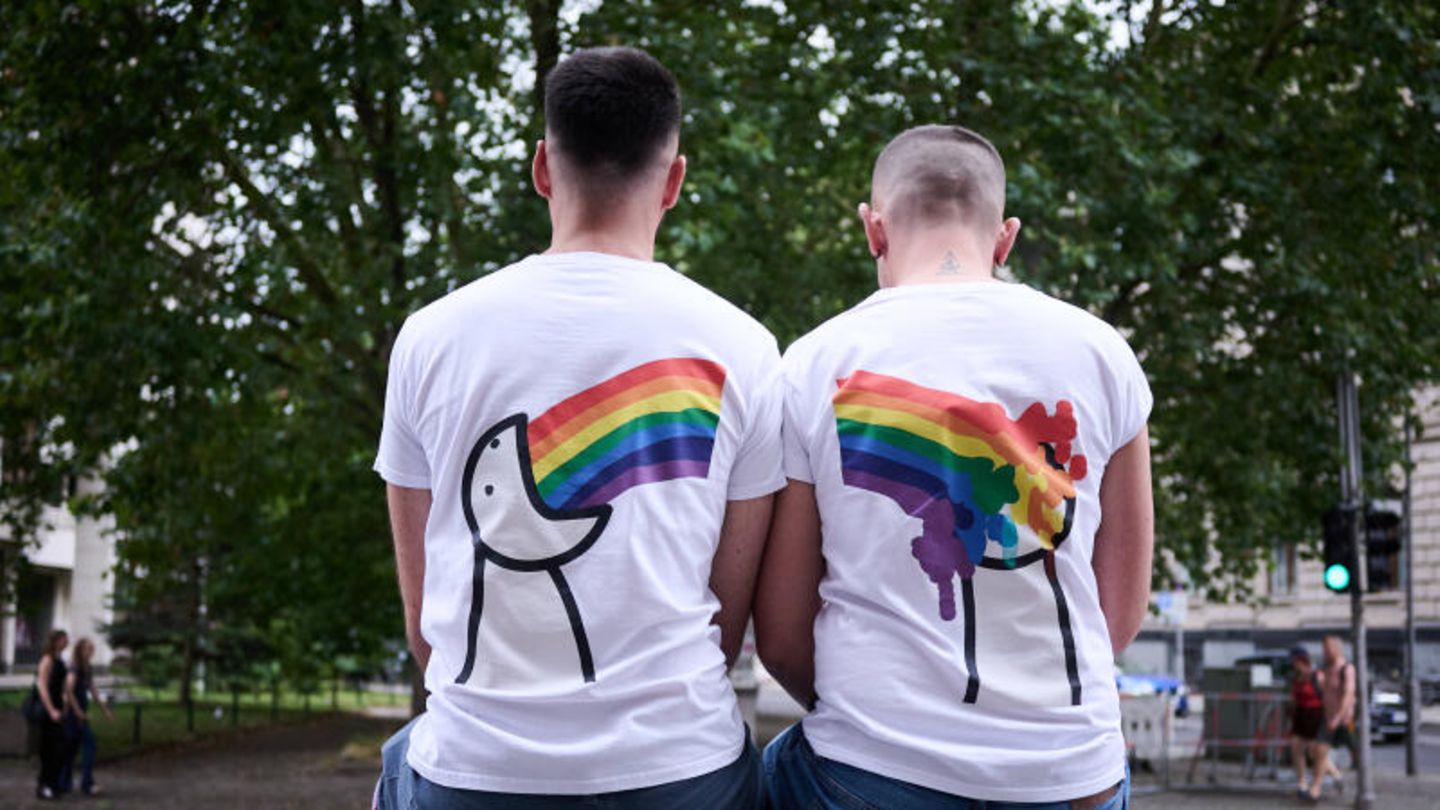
(1412, 682)
(1352, 493)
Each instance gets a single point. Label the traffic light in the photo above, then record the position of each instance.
(1339, 531)
(1382, 546)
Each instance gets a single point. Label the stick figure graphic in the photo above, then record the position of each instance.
(536, 493)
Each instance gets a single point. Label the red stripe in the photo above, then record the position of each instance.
(579, 403)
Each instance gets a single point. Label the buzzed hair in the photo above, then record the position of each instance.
(935, 174)
(609, 112)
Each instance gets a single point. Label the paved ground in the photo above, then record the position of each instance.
(306, 766)
(296, 767)
(1392, 792)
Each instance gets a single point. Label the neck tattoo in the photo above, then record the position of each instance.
(950, 266)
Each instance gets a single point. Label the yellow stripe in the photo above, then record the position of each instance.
(960, 445)
(1026, 481)
(668, 402)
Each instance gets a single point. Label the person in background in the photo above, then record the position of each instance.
(1337, 692)
(1307, 713)
(50, 683)
(79, 689)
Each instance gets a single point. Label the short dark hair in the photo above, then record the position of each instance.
(609, 112)
(934, 173)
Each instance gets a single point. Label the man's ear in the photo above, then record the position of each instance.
(674, 181)
(875, 235)
(1009, 230)
(540, 170)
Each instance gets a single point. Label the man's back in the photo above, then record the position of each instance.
(582, 420)
(956, 436)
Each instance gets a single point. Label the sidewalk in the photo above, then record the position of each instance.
(1392, 792)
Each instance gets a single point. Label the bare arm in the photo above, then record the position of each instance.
(1125, 541)
(1347, 696)
(788, 598)
(95, 695)
(732, 574)
(409, 511)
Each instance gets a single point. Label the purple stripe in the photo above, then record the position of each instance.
(940, 553)
(663, 471)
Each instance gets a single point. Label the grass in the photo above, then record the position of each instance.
(163, 719)
(164, 724)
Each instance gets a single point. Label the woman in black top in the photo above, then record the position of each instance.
(79, 688)
(50, 682)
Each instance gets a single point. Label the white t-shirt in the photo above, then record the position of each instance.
(582, 420)
(955, 433)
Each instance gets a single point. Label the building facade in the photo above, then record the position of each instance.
(1298, 609)
(65, 581)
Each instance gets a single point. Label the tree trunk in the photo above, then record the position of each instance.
(545, 38)
(192, 636)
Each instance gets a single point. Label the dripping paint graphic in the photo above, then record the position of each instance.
(972, 475)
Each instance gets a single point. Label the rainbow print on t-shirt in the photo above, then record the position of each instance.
(971, 473)
(655, 422)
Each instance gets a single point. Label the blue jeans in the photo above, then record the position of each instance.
(797, 778)
(78, 734)
(736, 786)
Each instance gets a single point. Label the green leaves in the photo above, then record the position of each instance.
(214, 218)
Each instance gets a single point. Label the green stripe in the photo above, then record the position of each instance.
(993, 487)
(606, 443)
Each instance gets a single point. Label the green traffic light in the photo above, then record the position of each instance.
(1337, 577)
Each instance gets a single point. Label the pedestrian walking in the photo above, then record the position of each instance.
(1337, 692)
(50, 684)
(80, 688)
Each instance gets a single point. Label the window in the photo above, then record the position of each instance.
(1282, 570)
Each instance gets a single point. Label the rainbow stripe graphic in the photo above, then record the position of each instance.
(968, 471)
(655, 422)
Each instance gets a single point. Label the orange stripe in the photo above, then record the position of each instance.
(693, 369)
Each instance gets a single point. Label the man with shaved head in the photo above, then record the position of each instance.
(965, 540)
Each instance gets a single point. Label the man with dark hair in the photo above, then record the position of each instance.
(581, 451)
(965, 541)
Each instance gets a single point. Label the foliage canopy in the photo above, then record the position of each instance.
(215, 216)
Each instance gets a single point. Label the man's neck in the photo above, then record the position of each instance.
(947, 266)
(620, 236)
(947, 256)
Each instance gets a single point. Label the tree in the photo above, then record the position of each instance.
(214, 218)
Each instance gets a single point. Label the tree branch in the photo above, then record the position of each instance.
(310, 273)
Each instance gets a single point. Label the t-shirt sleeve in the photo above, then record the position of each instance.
(797, 449)
(757, 469)
(1133, 399)
(401, 459)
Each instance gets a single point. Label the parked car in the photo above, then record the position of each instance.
(1389, 715)
(1135, 684)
